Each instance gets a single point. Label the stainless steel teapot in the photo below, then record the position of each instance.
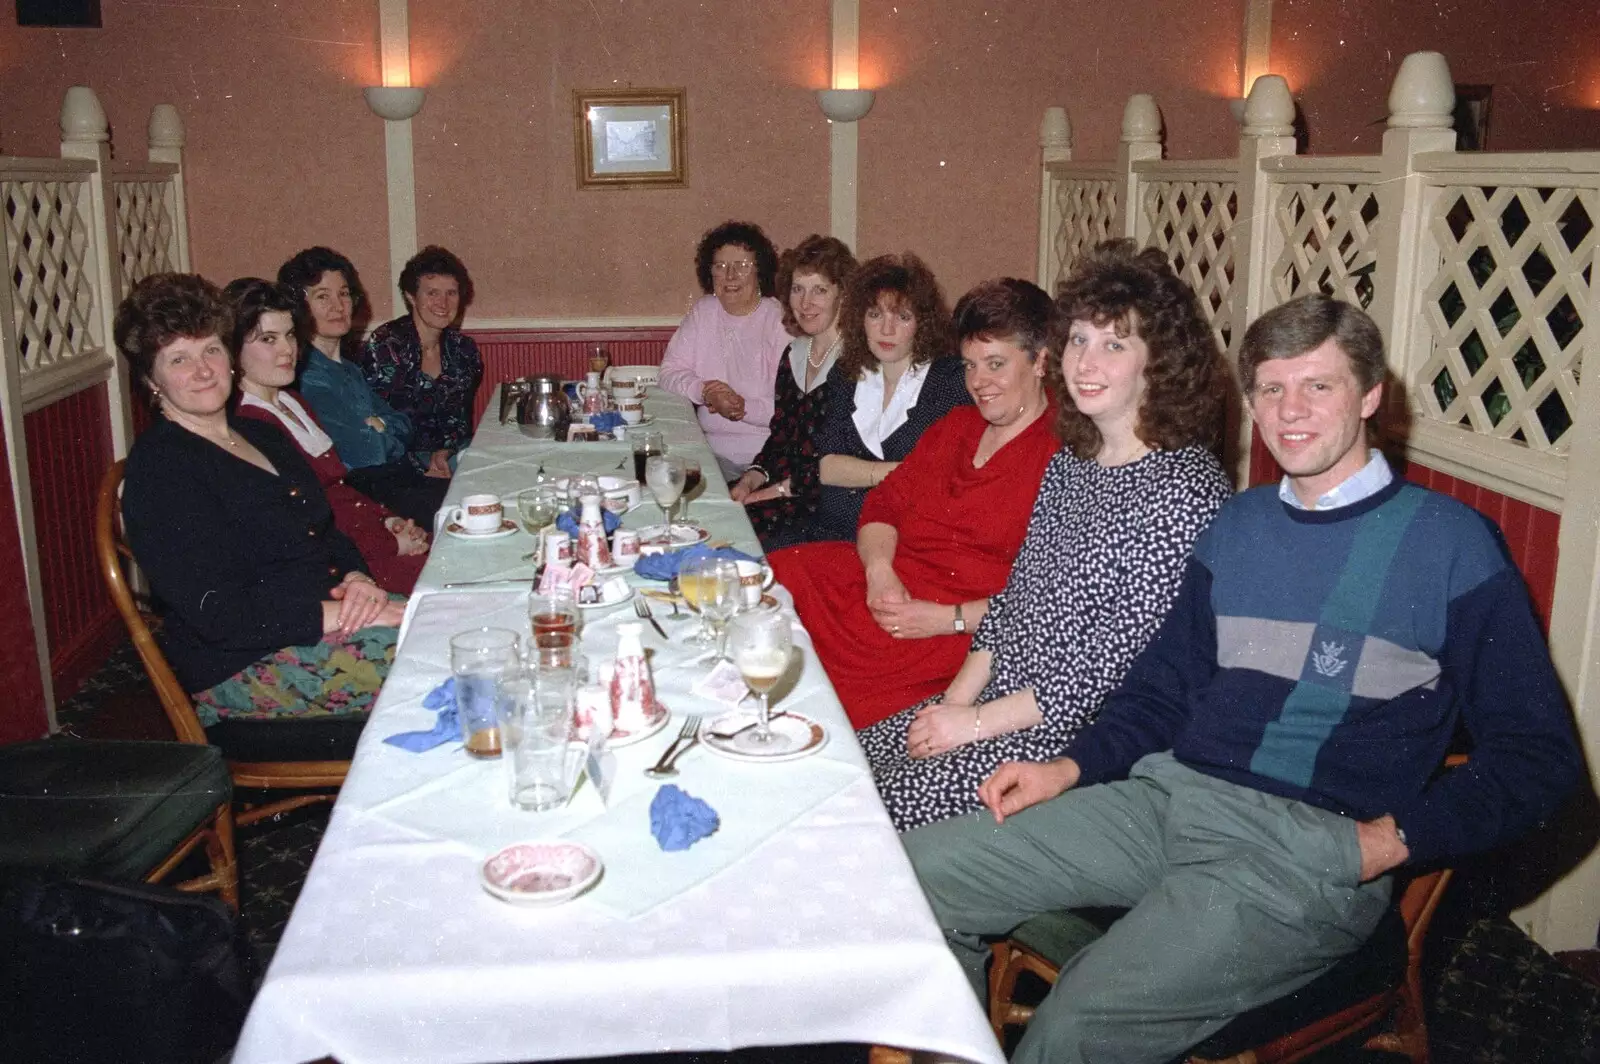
(544, 411)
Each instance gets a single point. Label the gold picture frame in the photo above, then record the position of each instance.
(631, 138)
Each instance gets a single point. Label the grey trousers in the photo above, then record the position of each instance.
(1237, 897)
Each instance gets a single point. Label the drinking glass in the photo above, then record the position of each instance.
(558, 650)
(759, 642)
(554, 612)
(711, 588)
(646, 445)
(579, 486)
(691, 480)
(537, 718)
(664, 476)
(481, 661)
(537, 507)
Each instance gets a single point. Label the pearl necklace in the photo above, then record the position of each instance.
(826, 354)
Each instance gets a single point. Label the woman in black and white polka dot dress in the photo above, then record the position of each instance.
(1108, 542)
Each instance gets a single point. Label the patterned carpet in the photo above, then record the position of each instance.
(1494, 996)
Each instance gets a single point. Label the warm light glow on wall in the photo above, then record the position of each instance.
(396, 75)
(846, 64)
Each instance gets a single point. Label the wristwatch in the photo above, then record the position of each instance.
(961, 622)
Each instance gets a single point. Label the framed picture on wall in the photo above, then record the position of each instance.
(630, 138)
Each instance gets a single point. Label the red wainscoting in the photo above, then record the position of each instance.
(69, 449)
(21, 694)
(508, 354)
(1531, 533)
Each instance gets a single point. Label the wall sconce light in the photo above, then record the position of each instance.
(395, 103)
(845, 105)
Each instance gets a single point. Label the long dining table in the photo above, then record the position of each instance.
(799, 921)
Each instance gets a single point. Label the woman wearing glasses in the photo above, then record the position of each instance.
(724, 356)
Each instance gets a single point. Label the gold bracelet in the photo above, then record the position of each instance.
(977, 723)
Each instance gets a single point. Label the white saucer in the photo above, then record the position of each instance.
(507, 527)
(793, 737)
(682, 536)
(540, 873)
(629, 738)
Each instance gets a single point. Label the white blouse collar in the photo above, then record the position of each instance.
(303, 427)
(874, 422)
(800, 354)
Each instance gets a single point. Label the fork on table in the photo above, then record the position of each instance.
(642, 608)
(687, 735)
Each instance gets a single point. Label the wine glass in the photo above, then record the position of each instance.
(538, 507)
(759, 641)
(664, 475)
(710, 586)
(579, 486)
(691, 481)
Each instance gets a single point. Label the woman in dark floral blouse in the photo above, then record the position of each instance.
(423, 364)
(780, 488)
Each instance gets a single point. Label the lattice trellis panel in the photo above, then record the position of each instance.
(1328, 241)
(1506, 311)
(1087, 210)
(1192, 223)
(144, 220)
(52, 297)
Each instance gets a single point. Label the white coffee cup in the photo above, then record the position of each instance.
(754, 579)
(631, 408)
(478, 513)
(624, 388)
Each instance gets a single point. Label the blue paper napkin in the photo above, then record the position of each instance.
(606, 422)
(567, 521)
(678, 820)
(665, 566)
(446, 729)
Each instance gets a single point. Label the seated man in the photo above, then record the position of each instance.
(1272, 754)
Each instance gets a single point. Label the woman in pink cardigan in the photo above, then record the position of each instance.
(724, 356)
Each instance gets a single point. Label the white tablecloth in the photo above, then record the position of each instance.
(800, 921)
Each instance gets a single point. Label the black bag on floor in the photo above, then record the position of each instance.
(101, 973)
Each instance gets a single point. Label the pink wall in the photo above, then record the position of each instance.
(494, 145)
(282, 149)
(284, 152)
(1538, 54)
(950, 154)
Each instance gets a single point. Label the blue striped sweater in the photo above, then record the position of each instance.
(1329, 657)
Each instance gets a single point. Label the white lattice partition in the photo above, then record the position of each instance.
(48, 249)
(1188, 211)
(1325, 216)
(1504, 309)
(1085, 213)
(146, 210)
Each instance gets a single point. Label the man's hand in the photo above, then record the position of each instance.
(1381, 848)
(1016, 785)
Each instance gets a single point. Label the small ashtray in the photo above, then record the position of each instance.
(541, 873)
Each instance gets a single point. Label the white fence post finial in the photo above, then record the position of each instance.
(1141, 120)
(1055, 134)
(83, 120)
(1269, 110)
(1423, 95)
(166, 128)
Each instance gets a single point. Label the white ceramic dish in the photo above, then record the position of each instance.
(627, 738)
(507, 527)
(587, 606)
(653, 539)
(541, 873)
(794, 737)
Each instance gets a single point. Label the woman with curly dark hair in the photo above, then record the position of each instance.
(724, 356)
(895, 377)
(889, 615)
(780, 488)
(269, 610)
(1135, 483)
(424, 365)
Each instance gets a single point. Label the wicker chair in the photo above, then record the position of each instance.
(320, 779)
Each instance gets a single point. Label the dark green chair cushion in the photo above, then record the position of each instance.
(318, 738)
(110, 810)
(1379, 964)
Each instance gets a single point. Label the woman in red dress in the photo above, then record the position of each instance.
(891, 615)
(265, 353)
